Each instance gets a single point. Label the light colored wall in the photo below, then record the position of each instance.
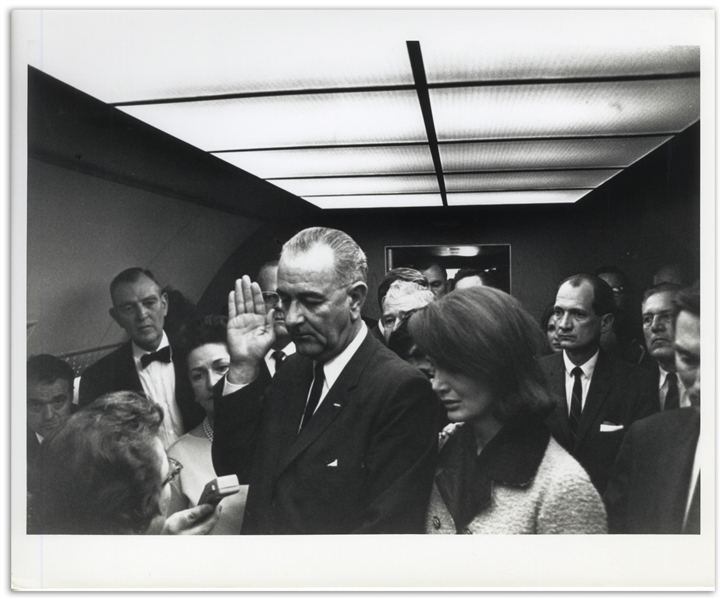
(83, 230)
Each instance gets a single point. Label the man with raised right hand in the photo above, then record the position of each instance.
(344, 440)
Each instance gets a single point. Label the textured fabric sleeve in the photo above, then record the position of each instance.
(570, 504)
(401, 461)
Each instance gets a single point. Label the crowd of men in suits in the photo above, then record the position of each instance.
(335, 433)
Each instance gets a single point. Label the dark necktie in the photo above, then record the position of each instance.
(575, 413)
(692, 523)
(162, 355)
(279, 357)
(315, 394)
(672, 399)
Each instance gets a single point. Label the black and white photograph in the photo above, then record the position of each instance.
(362, 299)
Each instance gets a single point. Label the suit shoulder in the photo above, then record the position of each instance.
(665, 423)
(552, 362)
(106, 362)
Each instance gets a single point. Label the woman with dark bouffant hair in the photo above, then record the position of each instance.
(105, 472)
(500, 471)
(202, 344)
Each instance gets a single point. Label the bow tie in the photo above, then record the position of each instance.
(162, 355)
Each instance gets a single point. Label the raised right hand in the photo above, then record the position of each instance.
(250, 330)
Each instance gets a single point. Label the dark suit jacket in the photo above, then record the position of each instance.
(648, 492)
(619, 394)
(364, 463)
(117, 372)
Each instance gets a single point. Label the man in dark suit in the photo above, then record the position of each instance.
(658, 326)
(282, 348)
(49, 399)
(346, 435)
(656, 485)
(145, 364)
(598, 396)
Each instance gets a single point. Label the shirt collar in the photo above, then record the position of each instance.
(587, 367)
(663, 376)
(334, 367)
(138, 352)
(288, 350)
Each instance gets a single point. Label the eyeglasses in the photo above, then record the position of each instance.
(618, 290)
(270, 298)
(649, 319)
(175, 467)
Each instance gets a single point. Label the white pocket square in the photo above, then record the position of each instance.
(607, 427)
(332, 464)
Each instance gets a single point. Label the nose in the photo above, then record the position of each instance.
(438, 385)
(293, 315)
(212, 379)
(47, 412)
(657, 323)
(563, 323)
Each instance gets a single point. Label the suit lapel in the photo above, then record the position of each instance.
(333, 403)
(599, 388)
(127, 376)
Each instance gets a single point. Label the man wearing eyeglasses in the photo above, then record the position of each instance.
(658, 308)
(282, 348)
(345, 438)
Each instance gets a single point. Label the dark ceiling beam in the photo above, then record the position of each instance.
(407, 87)
(449, 142)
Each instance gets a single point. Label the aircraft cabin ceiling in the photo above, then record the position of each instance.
(370, 115)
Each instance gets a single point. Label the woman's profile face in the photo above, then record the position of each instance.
(207, 364)
(464, 398)
(554, 344)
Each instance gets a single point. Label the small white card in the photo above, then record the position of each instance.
(608, 427)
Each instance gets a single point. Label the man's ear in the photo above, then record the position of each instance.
(114, 315)
(165, 302)
(607, 322)
(357, 292)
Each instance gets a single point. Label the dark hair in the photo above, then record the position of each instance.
(661, 288)
(463, 273)
(99, 474)
(131, 275)
(207, 329)
(608, 268)
(45, 368)
(181, 310)
(603, 295)
(688, 300)
(351, 264)
(399, 274)
(486, 334)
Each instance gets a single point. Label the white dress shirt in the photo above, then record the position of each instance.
(288, 350)
(693, 481)
(586, 377)
(684, 401)
(159, 383)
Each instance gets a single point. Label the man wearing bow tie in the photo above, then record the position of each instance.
(145, 363)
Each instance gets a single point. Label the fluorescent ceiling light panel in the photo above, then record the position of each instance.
(469, 60)
(333, 161)
(359, 185)
(377, 201)
(516, 197)
(565, 109)
(124, 55)
(283, 121)
(528, 180)
(566, 153)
